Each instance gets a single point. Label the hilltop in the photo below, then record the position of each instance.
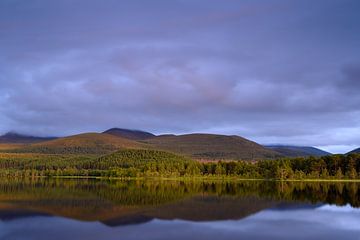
(297, 151)
(129, 133)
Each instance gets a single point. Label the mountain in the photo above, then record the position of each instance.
(12, 137)
(86, 143)
(197, 146)
(296, 151)
(355, 151)
(212, 147)
(129, 134)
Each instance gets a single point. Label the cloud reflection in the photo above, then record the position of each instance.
(326, 222)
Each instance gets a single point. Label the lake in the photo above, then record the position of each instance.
(107, 209)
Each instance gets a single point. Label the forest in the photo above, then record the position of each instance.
(138, 163)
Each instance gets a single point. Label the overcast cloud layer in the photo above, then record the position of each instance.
(272, 71)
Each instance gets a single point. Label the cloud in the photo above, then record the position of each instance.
(281, 72)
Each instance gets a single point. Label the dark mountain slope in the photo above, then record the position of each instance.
(355, 151)
(87, 143)
(12, 137)
(296, 151)
(129, 134)
(212, 147)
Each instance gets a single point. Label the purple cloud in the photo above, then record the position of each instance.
(275, 72)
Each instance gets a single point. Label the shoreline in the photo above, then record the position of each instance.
(199, 179)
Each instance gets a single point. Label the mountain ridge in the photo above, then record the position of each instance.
(297, 151)
(14, 137)
(85, 143)
(200, 146)
(132, 134)
(356, 150)
(212, 146)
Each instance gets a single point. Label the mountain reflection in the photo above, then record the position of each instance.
(116, 203)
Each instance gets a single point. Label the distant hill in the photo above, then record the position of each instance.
(12, 137)
(87, 143)
(355, 151)
(197, 146)
(129, 134)
(296, 151)
(212, 147)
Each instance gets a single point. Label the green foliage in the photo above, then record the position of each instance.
(147, 162)
(132, 163)
(41, 162)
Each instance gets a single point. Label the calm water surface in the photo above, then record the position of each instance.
(95, 209)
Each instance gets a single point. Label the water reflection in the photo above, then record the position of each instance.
(93, 209)
(319, 223)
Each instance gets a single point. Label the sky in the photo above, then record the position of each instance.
(273, 71)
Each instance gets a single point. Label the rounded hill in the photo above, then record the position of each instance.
(212, 147)
(129, 133)
(87, 143)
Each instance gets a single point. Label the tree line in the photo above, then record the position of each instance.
(154, 163)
